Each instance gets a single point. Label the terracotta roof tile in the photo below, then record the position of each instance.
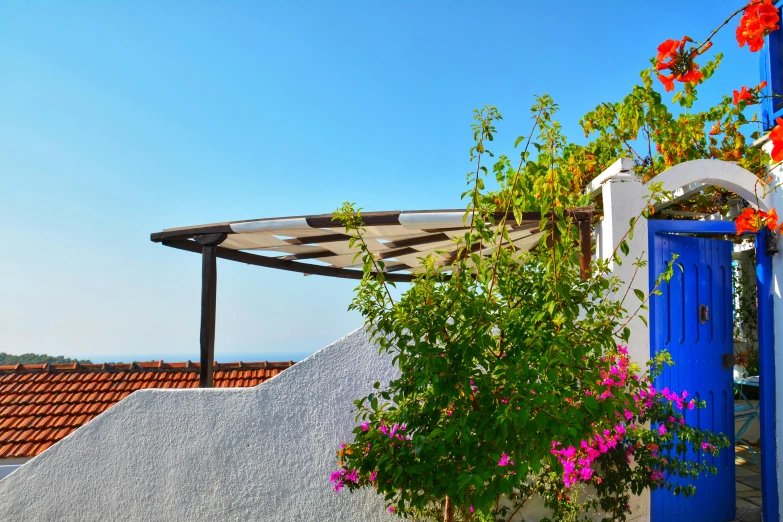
(42, 403)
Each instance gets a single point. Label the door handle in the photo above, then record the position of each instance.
(704, 313)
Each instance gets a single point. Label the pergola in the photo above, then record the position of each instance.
(319, 245)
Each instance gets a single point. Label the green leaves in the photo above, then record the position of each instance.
(502, 350)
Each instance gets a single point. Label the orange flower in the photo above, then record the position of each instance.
(771, 220)
(748, 221)
(667, 49)
(758, 20)
(743, 94)
(753, 220)
(667, 81)
(693, 75)
(715, 129)
(776, 136)
(761, 86)
(683, 69)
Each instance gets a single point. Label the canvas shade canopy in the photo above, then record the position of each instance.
(319, 245)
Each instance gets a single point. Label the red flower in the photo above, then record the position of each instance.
(667, 49)
(758, 20)
(716, 128)
(694, 75)
(743, 94)
(667, 81)
(776, 136)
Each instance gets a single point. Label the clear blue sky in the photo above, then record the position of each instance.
(122, 118)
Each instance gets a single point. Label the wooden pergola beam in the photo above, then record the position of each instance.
(282, 264)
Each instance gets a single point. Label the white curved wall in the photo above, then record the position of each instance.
(262, 453)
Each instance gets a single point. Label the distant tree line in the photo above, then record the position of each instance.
(37, 358)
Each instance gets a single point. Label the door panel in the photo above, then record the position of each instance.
(697, 344)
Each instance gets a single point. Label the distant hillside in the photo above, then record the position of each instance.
(37, 358)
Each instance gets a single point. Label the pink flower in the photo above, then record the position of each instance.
(373, 474)
(504, 461)
(662, 429)
(365, 426)
(585, 474)
(471, 509)
(391, 509)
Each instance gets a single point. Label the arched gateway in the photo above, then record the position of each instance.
(693, 319)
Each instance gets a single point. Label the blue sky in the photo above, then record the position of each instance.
(118, 119)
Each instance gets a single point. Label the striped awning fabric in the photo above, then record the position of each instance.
(318, 244)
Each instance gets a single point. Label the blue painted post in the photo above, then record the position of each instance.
(769, 478)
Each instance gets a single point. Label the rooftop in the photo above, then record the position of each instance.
(42, 403)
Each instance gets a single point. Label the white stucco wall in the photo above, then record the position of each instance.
(777, 287)
(262, 453)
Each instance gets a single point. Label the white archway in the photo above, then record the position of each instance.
(687, 178)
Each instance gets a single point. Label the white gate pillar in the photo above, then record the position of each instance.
(624, 196)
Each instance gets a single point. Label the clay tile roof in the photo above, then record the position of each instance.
(42, 403)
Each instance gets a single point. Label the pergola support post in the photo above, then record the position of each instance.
(209, 244)
(586, 247)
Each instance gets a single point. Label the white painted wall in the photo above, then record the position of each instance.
(777, 270)
(262, 453)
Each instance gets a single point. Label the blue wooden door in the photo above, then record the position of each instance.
(692, 320)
